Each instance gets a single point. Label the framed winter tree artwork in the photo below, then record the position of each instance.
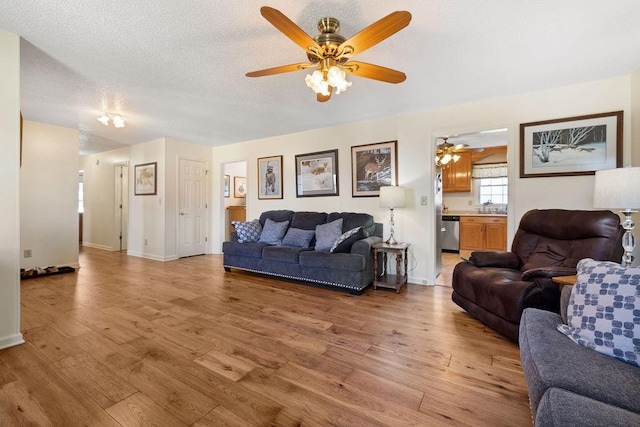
(317, 174)
(572, 146)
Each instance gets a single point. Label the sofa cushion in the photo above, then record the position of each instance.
(288, 254)
(308, 220)
(351, 220)
(327, 260)
(604, 310)
(327, 233)
(276, 215)
(344, 242)
(547, 253)
(298, 237)
(550, 359)
(247, 231)
(561, 408)
(273, 232)
(250, 249)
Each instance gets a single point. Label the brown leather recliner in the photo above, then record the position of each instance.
(496, 287)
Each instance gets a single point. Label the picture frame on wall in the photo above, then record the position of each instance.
(146, 179)
(578, 145)
(239, 186)
(317, 174)
(270, 177)
(227, 185)
(373, 166)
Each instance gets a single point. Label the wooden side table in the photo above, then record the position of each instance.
(382, 278)
(564, 280)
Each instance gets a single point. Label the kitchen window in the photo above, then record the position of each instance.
(490, 183)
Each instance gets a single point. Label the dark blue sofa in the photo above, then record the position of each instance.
(352, 271)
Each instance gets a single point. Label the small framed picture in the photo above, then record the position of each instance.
(227, 185)
(373, 166)
(571, 146)
(146, 179)
(270, 177)
(317, 174)
(239, 186)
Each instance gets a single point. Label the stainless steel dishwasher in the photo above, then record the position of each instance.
(451, 233)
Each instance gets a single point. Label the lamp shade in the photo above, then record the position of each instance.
(617, 188)
(392, 197)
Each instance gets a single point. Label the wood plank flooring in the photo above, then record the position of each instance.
(127, 341)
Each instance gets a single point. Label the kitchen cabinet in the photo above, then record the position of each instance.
(456, 176)
(483, 233)
(236, 213)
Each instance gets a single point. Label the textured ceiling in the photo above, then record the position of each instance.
(177, 68)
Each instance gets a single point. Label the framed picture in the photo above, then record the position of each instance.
(239, 186)
(373, 166)
(317, 174)
(573, 146)
(227, 185)
(270, 177)
(146, 176)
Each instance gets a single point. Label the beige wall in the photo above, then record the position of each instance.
(416, 134)
(10, 190)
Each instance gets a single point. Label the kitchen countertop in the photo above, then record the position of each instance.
(473, 213)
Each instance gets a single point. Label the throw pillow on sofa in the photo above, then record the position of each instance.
(248, 232)
(298, 237)
(604, 310)
(344, 242)
(327, 233)
(273, 232)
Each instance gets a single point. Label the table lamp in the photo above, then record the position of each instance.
(620, 189)
(392, 197)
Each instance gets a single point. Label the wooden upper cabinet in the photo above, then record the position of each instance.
(456, 176)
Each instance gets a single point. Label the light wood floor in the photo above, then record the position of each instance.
(127, 341)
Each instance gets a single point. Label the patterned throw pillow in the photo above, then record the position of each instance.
(273, 232)
(247, 231)
(604, 310)
(327, 233)
(346, 240)
(298, 237)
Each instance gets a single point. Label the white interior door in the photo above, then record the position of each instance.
(192, 208)
(122, 204)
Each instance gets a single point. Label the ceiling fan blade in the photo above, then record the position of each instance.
(374, 33)
(322, 98)
(375, 72)
(281, 69)
(289, 29)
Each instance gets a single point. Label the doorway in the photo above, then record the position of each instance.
(121, 182)
(235, 202)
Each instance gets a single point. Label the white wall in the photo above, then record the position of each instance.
(99, 228)
(10, 190)
(416, 147)
(235, 169)
(49, 195)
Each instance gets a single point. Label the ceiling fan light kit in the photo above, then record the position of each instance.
(116, 119)
(447, 152)
(330, 52)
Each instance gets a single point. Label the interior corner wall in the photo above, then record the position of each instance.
(415, 134)
(635, 120)
(147, 212)
(10, 190)
(176, 150)
(49, 207)
(99, 227)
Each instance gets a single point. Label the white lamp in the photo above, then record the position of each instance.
(392, 197)
(620, 189)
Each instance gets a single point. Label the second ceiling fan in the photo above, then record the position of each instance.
(331, 52)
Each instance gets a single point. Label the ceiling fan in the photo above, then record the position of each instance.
(446, 151)
(331, 52)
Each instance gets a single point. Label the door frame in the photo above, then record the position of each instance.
(123, 191)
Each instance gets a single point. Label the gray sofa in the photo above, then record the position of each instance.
(571, 385)
(351, 271)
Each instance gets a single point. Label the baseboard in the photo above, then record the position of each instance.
(11, 340)
(150, 256)
(102, 247)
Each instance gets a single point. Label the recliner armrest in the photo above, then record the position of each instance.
(547, 272)
(495, 259)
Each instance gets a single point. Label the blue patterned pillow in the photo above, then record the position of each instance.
(327, 233)
(604, 310)
(346, 240)
(273, 232)
(247, 231)
(298, 237)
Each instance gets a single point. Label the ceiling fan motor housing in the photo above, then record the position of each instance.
(328, 39)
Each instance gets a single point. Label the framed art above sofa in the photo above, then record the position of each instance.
(317, 174)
